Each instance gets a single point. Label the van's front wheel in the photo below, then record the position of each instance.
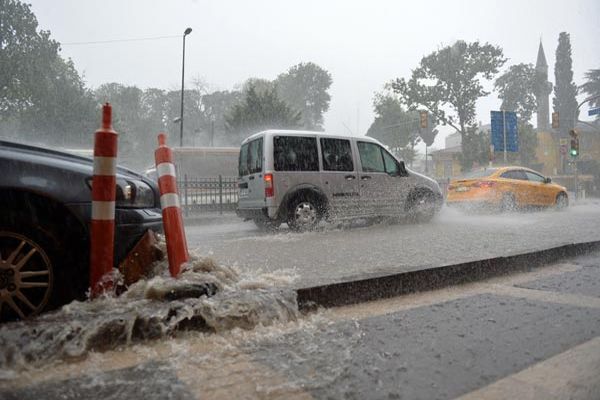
(304, 214)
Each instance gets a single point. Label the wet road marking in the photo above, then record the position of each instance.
(497, 285)
(547, 296)
(572, 374)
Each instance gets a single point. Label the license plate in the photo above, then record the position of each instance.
(462, 189)
(243, 192)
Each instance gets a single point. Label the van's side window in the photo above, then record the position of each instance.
(251, 157)
(337, 155)
(370, 157)
(295, 153)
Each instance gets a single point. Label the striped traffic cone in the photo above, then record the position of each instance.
(171, 208)
(103, 204)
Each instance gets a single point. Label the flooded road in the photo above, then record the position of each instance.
(509, 337)
(336, 254)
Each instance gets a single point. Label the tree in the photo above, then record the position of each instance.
(477, 142)
(215, 107)
(565, 90)
(259, 111)
(592, 86)
(394, 126)
(450, 79)
(305, 88)
(516, 88)
(41, 95)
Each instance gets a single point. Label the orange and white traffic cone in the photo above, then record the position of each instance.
(177, 251)
(103, 204)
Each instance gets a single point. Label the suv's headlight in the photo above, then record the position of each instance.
(131, 193)
(134, 194)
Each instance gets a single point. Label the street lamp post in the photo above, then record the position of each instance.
(185, 33)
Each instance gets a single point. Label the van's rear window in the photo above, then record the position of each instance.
(295, 153)
(251, 157)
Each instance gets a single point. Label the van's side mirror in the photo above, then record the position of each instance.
(547, 180)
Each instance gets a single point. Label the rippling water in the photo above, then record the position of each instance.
(154, 308)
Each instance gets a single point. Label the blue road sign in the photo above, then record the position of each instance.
(512, 134)
(594, 111)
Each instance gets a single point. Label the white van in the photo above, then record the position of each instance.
(301, 177)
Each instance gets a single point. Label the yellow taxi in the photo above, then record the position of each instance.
(506, 188)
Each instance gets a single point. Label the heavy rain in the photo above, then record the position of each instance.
(275, 200)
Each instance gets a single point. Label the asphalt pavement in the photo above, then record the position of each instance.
(533, 335)
(337, 254)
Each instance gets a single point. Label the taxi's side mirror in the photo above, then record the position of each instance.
(547, 180)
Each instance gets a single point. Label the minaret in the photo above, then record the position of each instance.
(542, 90)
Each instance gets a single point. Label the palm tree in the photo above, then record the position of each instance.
(592, 86)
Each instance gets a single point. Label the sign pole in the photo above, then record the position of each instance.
(504, 128)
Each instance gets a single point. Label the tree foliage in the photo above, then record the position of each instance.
(305, 88)
(42, 97)
(516, 88)
(394, 126)
(260, 111)
(565, 90)
(450, 78)
(476, 148)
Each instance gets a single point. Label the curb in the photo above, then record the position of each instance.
(363, 290)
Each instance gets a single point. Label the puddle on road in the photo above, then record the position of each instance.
(151, 309)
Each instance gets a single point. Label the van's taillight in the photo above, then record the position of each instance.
(269, 189)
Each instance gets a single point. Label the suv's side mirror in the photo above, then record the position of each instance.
(547, 180)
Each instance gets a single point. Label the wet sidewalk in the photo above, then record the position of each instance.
(527, 335)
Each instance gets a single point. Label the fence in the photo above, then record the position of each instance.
(213, 194)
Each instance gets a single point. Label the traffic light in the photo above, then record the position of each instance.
(555, 121)
(423, 118)
(574, 143)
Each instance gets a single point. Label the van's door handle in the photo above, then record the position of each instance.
(251, 177)
(350, 177)
(364, 178)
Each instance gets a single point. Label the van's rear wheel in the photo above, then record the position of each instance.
(304, 213)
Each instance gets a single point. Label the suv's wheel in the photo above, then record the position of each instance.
(562, 201)
(422, 206)
(304, 213)
(26, 275)
(37, 272)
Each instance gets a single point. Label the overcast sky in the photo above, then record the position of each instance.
(363, 44)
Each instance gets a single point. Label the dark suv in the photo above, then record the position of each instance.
(45, 209)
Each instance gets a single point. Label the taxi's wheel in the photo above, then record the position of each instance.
(562, 201)
(508, 203)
